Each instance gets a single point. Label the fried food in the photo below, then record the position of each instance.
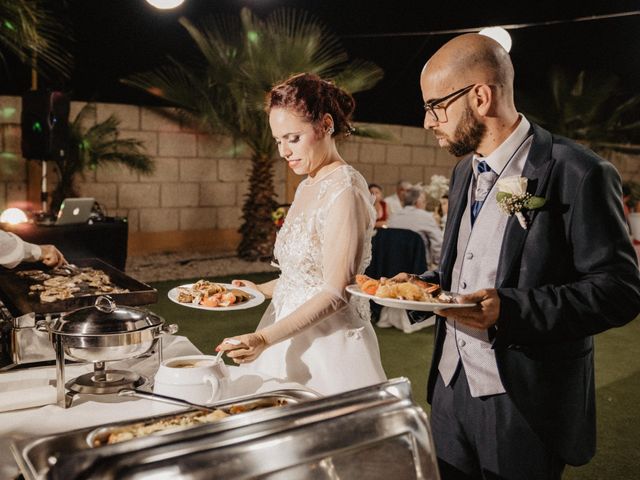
(414, 289)
(210, 294)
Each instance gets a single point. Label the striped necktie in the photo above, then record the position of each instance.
(482, 167)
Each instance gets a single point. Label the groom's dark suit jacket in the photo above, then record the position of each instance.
(571, 274)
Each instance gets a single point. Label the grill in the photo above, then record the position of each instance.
(14, 291)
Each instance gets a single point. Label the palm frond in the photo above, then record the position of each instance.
(29, 30)
(587, 106)
(241, 60)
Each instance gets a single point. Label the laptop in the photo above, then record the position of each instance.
(75, 210)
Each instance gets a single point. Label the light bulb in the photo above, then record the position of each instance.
(499, 34)
(13, 216)
(165, 4)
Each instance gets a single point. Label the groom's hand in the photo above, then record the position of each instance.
(482, 316)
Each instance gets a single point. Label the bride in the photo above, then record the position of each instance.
(312, 333)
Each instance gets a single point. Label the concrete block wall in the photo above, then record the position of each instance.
(198, 183)
(412, 154)
(201, 180)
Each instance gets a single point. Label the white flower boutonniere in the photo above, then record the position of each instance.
(512, 198)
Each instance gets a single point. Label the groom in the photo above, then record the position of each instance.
(512, 382)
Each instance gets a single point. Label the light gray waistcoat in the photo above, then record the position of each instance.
(476, 265)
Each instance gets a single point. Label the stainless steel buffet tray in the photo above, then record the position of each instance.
(35, 457)
(374, 433)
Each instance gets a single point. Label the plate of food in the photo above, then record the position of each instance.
(412, 295)
(206, 295)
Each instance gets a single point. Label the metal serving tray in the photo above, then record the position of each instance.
(35, 457)
(374, 433)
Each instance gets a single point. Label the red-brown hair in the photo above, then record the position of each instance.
(310, 96)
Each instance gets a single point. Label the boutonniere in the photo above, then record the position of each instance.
(512, 198)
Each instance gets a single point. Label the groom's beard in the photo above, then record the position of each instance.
(467, 136)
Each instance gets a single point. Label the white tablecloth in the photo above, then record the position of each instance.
(37, 384)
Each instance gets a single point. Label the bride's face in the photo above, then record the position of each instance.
(298, 143)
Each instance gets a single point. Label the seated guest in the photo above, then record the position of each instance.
(413, 216)
(395, 202)
(14, 250)
(379, 204)
(440, 213)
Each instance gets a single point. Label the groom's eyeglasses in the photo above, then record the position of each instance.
(436, 109)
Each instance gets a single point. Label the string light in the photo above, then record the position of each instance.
(513, 26)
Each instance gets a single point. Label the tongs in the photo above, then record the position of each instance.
(130, 392)
(66, 270)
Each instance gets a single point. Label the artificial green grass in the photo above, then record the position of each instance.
(409, 355)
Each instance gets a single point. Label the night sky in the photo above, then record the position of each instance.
(115, 38)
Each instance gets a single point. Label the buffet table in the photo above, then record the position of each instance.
(27, 388)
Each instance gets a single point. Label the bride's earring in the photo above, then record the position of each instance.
(330, 130)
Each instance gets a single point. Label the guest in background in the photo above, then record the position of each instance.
(380, 205)
(14, 250)
(413, 216)
(395, 202)
(440, 213)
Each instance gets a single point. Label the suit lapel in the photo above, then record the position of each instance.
(536, 169)
(458, 202)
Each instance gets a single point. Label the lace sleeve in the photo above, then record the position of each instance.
(347, 228)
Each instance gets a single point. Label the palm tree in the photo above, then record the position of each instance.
(94, 146)
(243, 59)
(589, 107)
(29, 30)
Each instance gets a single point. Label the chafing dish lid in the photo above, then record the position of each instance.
(105, 318)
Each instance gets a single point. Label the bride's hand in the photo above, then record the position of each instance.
(250, 347)
(245, 283)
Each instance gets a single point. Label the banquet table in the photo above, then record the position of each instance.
(28, 387)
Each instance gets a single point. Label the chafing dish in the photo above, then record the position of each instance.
(101, 333)
(107, 332)
(374, 433)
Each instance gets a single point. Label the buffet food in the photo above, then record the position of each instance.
(142, 429)
(168, 424)
(414, 289)
(210, 294)
(68, 282)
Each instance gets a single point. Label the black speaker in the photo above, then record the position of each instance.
(45, 124)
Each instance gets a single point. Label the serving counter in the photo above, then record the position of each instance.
(34, 391)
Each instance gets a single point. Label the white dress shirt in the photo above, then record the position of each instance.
(393, 204)
(422, 222)
(14, 250)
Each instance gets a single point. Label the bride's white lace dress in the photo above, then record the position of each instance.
(324, 242)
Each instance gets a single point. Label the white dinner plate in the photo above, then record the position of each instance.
(407, 304)
(256, 299)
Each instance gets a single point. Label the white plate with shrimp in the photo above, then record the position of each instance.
(230, 298)
(446, 300)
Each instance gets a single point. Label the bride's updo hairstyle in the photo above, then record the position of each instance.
(311, 97)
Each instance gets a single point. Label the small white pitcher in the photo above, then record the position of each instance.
(195, 378)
